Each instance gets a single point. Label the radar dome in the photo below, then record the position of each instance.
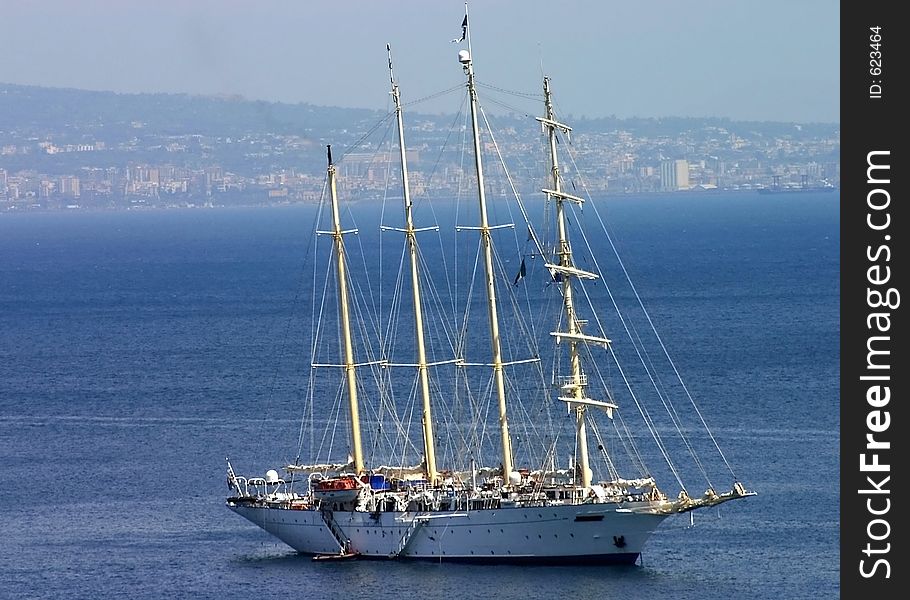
(515, 478)
(464, 57)
(271, 476)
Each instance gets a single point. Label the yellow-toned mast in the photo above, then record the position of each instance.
(422, 369)
(564, 252)
(350, 368)
(465, 58)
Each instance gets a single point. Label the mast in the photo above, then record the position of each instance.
(349, 365)
(576, 384)
(464, 56)
(427, 418)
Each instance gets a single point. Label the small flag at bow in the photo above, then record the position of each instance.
(464, 30)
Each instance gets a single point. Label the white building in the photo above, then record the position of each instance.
(674, 175)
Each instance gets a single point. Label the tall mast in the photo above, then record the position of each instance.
(349, 365)
(427, 417)
(464, 57)
(576, 382)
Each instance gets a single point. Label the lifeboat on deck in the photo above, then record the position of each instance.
(336, 489)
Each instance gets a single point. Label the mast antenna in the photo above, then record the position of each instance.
(388, 48)
(467, 25)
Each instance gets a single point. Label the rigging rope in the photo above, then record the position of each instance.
(436, 95)
(529, 95)
(626, 324)
(521, 206)
(651, 323)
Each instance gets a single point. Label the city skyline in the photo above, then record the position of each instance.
(769, 62)
(106, 150)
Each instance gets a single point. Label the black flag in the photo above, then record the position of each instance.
(522, 271)
(464, 30)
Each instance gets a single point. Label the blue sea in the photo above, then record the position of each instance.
(138, 350)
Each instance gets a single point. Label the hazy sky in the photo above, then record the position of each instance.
(743, 59)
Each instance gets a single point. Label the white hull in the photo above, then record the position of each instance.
(605, 533)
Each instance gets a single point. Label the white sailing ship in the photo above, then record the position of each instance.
(475, 508)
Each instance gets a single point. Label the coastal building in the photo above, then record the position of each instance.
(69, 186)
(674, 175)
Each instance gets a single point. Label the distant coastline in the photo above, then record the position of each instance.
(627, 196)
(64, 148)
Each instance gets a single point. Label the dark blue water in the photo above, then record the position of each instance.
(138, 350)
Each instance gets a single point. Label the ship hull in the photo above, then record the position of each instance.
(567, 534)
